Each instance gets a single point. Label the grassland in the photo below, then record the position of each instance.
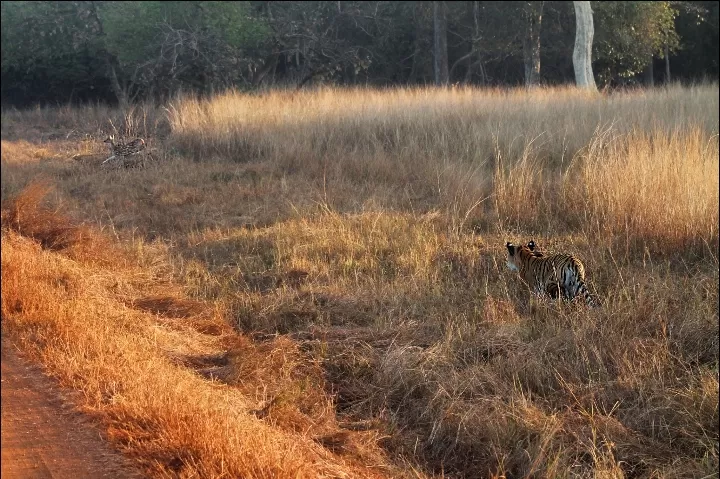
(312, 284)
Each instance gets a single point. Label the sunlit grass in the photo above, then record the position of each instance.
(335, 260)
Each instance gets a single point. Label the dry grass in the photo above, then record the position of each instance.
(320, 276)
(26, 215)
(143, 375)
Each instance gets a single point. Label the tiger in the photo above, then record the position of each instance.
(558, 275)
(531, 245)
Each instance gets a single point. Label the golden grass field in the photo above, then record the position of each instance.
(313, 284)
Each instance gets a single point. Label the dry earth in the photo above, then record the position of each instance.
(42, 435)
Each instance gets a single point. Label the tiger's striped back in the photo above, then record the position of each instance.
(555, 275)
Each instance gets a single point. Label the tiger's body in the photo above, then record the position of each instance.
(558, 275)
(124, 150)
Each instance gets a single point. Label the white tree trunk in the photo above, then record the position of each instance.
(582, 54)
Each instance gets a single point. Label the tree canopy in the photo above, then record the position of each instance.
(55, 51)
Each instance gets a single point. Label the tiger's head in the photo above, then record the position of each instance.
(532, 246)
(517, 253)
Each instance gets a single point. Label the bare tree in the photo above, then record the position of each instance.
(531, 42)
(475, 43)
(440, 52)
(582, 54)
(473, 57)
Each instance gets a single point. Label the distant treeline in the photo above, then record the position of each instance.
(59, 51)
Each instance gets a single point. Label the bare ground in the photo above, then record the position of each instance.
(41, 435)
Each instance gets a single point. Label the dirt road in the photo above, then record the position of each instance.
(42, 437)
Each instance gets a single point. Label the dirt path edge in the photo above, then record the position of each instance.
(43, 436)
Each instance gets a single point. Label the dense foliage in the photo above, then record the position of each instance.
(122, 51)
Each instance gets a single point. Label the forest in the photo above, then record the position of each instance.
(121, 52)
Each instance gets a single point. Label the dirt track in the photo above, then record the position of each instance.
(42, 437)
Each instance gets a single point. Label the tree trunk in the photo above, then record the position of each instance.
(649, 74)
(269, 66)
(440, 53)
(475, 42)
(582, 54)
(531, 42)
(667, 65)
(482, 72)
(412, 77)
(121, 93)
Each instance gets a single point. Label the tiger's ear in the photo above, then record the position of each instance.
(510, 247)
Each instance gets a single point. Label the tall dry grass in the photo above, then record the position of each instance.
(78, 122)
(175, 387)
(546, 151)
(357, 236)
(660, 187)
